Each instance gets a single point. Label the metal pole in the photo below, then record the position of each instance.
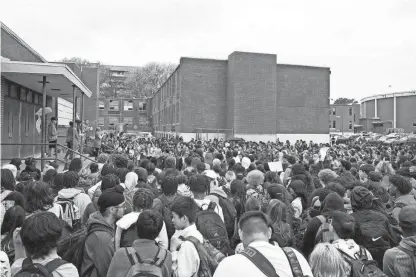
(74, 117)
(43, 137)
(83, 139)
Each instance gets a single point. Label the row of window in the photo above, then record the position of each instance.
(22, 93)
(334, 111)
(114, 105)
(113, 120)
(334, 125)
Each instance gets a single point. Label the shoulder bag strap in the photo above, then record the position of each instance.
(160, 260)
(262, 263)
(293, 261)
(54, 264)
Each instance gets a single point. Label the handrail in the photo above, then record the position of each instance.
(76, 152)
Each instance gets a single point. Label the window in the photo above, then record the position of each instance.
(354, 118)
(112, 120)
(101, 105)
(13, 91)
(330, 125)
(350, 125)
(334, 112)
(128, 120)
(128, 105)
(334, 124)
(142, 106)
(22, 94)
(350, 111)
(101, 121)
(35, 98)
(114, 105)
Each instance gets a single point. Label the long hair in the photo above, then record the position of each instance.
(299, 188)
(7, 180)
(326, 261)
(13, 218)
(38, 197)
(75, 165)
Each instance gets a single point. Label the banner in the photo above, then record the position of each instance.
(322, 153)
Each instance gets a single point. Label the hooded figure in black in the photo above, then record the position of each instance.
(373, 230)
(332, 202)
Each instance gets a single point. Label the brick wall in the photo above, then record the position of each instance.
(252, 91)
(203, 94)
(302, 99)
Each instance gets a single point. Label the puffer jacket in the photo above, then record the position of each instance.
(398, 263)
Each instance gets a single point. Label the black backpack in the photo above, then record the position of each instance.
(30, 269)
(167, 215)
(361, 266)
(213, 229)
(229, 212)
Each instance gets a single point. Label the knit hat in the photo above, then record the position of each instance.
(245, 162)
(407, 217)
(111, 197)
(332, 202)
(170, 162)
(361, 198)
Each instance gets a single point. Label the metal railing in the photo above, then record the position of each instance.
(42, 158)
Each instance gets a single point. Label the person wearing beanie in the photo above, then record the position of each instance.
(399, 261)
(375, 229)
(401, 191)
(344, 228)
(332, 202)
(99, 245)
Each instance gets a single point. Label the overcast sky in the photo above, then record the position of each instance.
(368, 44)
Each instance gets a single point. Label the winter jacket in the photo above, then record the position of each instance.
(81, 200)
(147, 250)
(397, 263)
(400, 202)
(99, 247)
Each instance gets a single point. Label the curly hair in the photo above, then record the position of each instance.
(143, 199)
(75, 165)
(401, 183)
(7, 180)
(38, 197)
(70, 179)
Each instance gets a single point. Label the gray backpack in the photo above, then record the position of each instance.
(146, 267)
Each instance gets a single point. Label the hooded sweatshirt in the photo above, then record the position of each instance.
(397, 263)
(404, 200)
(99, 247)
(81, 200)
(332, 202)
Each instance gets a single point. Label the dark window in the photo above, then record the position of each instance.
(334, 124)
(350, 111)
(350, 125)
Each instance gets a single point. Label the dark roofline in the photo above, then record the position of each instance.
(22, 42)
(308, 66)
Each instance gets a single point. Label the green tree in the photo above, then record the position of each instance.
(344, 100)
(79, 61)
(150, 78)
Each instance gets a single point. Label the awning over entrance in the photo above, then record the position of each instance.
(60, 78)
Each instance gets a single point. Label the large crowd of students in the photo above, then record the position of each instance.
(164, 207)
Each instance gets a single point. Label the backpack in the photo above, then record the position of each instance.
(326, 230)
(265, 266)
(167, 215)
(213, 229)
(412, 255)
(146, 267)
(229, 212)
(209, 256)
(71, 247)
(361, 266)
(30, 269)
(71, 214)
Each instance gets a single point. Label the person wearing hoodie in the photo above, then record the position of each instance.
(130, 189)
(332, 202)
(200, 187)
(99, 245)
(373, 228)
(299, 173)
(185, 258)
(401, 190)
(80, 199)
(399, 261)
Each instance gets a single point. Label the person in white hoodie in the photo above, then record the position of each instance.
(185, 258)
(77, 195)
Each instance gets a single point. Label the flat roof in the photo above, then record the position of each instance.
(389, 95)
(60, 77)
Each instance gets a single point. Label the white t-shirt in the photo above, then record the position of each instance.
(273, 253)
